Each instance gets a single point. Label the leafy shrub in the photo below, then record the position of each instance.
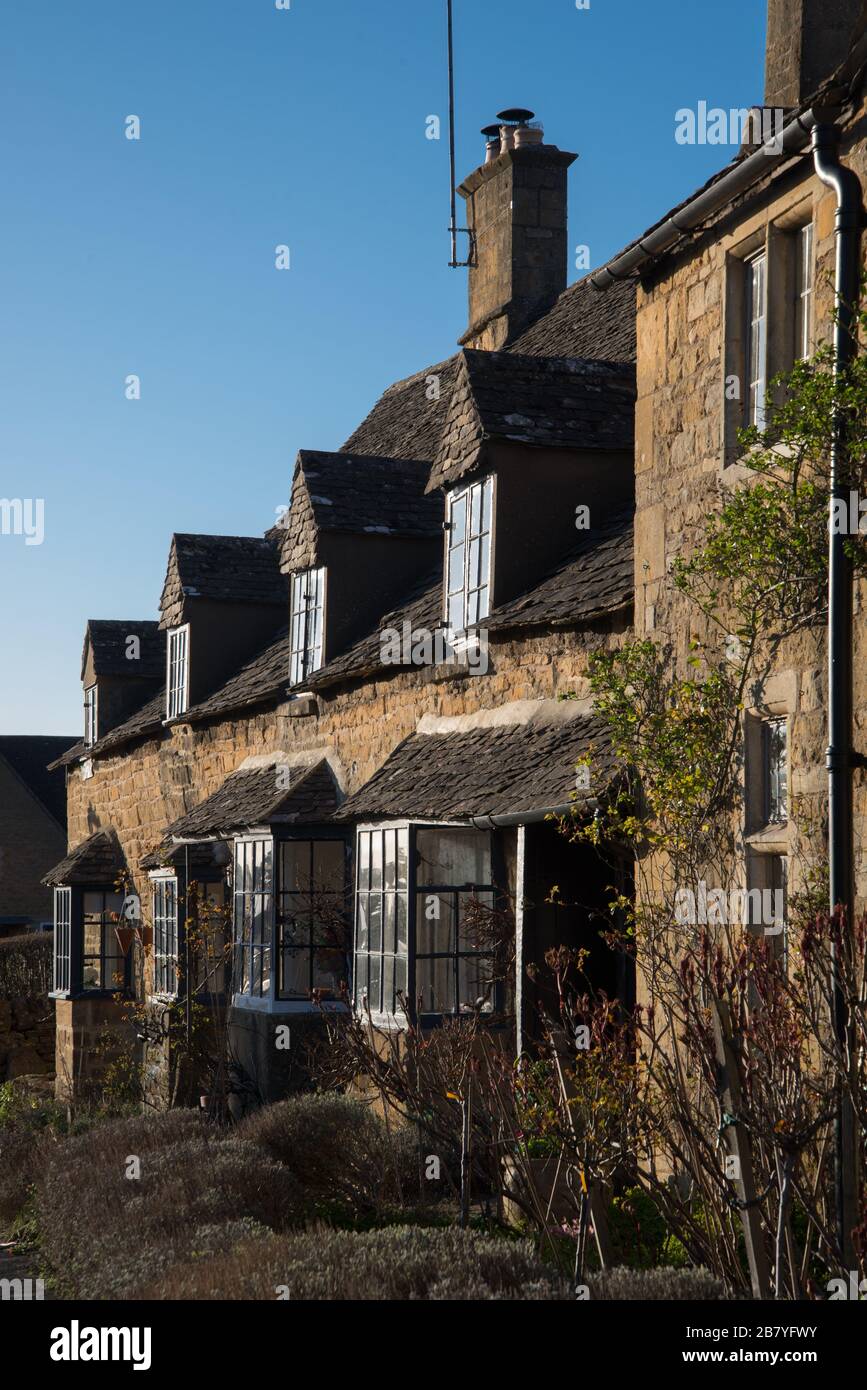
(641, 1234)
(105, 1233)
(26, 964)
(339, 1150)
(402, 1262)
(672, 1285)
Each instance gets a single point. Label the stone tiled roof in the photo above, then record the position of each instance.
(407, 420)
(355, 493)
(71, 755)
(550, 402)
(584, 322)
(97, 860)
(230, 569)
(596, 578)
(33, 758)
(489, 771)
(146, 720)
(108, 640)
(257, 796)
(422, 608)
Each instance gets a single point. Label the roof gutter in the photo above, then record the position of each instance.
(513, 818)
(793, 140)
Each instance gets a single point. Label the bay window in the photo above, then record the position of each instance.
(188, 920)
(289, 927)
(311, 900)
(62, 939)
(103, 964)
(468, 561)
(423, 896)
(165, 916)
(253, 916)
(305, 624)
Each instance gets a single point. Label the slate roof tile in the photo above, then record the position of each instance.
(502, 770)
(584, 322)
(550, 402)
(233, 569)
(108, 640)
(256, 796)
(96, 860)
(596, 578)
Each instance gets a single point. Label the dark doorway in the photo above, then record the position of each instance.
(567, 890)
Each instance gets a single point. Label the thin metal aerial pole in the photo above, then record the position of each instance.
(453, 227)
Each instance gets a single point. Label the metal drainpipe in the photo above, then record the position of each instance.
(848, 224)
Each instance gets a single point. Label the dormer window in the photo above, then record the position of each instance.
(177, 684)
(468, 562)
(90, 716)
(307, 609)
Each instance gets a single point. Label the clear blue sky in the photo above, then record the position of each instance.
(258, 127)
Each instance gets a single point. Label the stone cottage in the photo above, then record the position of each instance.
(368, 699)
(363, 705)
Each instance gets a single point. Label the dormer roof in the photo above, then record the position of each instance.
(541, 402)
(408, 419)
(223, 569)
(356, 493)
(107, 641)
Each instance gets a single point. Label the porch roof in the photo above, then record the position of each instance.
(493, 770)
(98, 859)
(271, 793)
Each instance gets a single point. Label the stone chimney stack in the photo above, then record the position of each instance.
(807, 40)
(516, 209)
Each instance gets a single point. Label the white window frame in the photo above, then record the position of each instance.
(178, 671)
(803, 315)
(62, 973)
(756, 337)
(410, 892)
(468, 562)
(91, 715)
(306, 623)
(253, 883)
(164, 895)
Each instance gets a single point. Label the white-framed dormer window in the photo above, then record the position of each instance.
(90, 716)
(178, 672)
(756, 269)
(468, 557)
(803, 317)
(306, 624)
